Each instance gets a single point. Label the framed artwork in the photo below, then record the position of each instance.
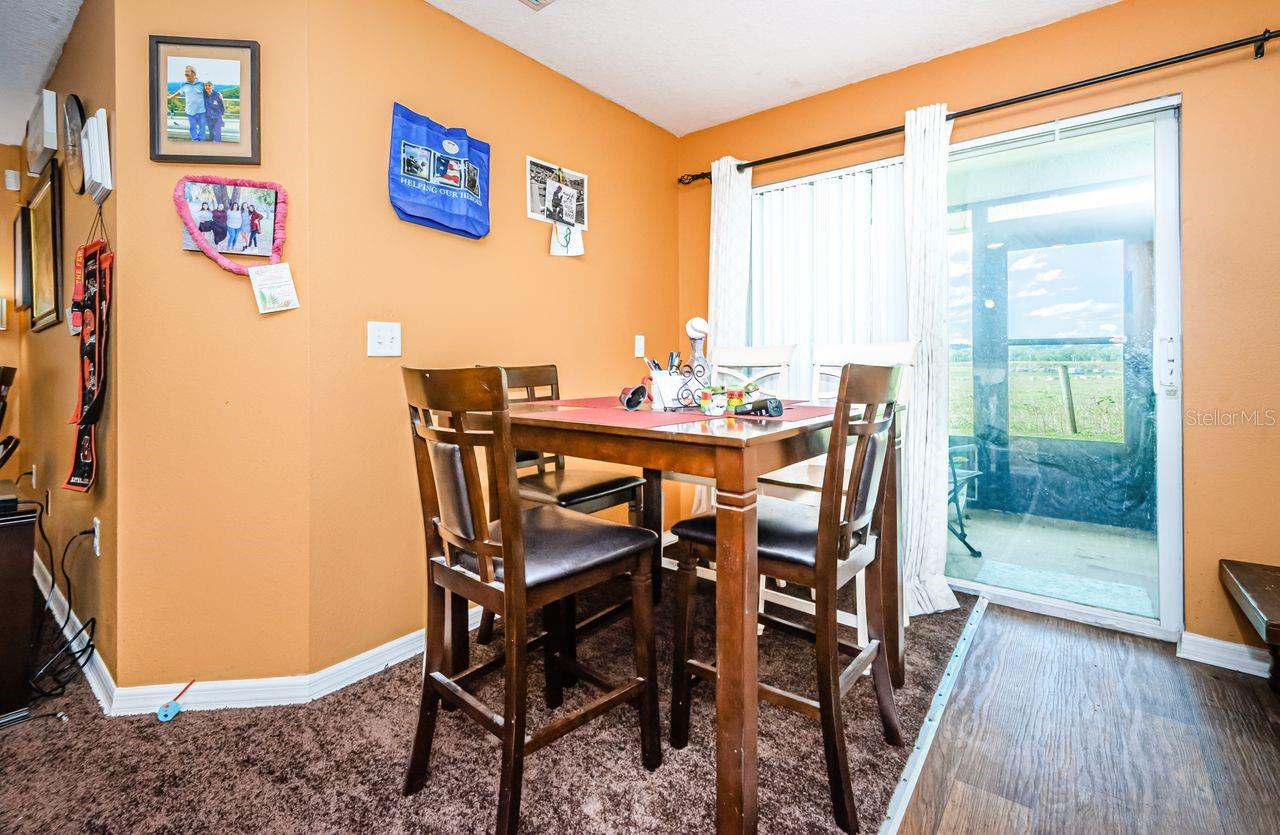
(233, 219)
(204, 100)
(45, 243)
(22, 259)
(567, 201)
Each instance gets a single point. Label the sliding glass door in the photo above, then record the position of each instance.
(1064, 291)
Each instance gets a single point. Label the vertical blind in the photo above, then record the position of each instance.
(827, 263)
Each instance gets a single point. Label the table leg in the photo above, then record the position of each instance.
(891, 568)
(652, 510)
(737, 595)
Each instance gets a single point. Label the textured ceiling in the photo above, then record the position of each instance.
(31, 36)
(689, 64)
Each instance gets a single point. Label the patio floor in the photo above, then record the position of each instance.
(1097, 565)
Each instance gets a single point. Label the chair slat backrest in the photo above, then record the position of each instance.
(861, 434)
(735, 366)
(531, 384)
(829, 362)
(455, 415)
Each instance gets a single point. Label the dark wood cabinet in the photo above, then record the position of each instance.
(17, 609)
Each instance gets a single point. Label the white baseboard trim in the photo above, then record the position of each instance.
(1240, 657)
(229, 693)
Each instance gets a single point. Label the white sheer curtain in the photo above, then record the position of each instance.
(729, 275)
(925, 455)
(828, 264)
(860, 256)
(729, 269)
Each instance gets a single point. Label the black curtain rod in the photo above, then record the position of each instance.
(1258, 42)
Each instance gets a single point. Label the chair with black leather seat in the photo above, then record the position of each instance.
(824, 548)
(525, 559)
(580, 489)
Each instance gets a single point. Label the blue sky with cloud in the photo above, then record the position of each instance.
(1065, 291)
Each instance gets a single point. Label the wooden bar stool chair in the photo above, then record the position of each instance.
(583, 490)
(524, 560)
(802, 482)
(823, 548)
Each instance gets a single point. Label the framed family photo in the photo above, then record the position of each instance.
(204, 100)
(563, 201)
(45, 243)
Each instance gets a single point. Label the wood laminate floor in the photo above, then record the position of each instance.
(1056, 727)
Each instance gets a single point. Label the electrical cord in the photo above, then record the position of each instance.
(52, 714)
(68, 660)
(48, 602)
(62, 667)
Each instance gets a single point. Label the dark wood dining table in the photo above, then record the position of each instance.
(734, 453)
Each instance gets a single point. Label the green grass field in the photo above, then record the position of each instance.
(1036, 406)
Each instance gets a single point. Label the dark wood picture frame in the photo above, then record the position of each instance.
(48, 188)
(157, 84)
(22, 259)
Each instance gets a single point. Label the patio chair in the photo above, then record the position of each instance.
(961, 477)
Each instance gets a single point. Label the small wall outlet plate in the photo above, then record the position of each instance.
(12, 180)
(639, 345)
(384, 339)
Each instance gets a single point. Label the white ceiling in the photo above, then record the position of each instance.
(690, 64)
(31, 36)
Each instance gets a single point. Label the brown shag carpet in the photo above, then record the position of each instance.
(335, 765)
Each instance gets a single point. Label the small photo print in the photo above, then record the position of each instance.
(415, 161)
(236, 220)
(449, 171)
(473, 179)
(538, 173)
(562, 203)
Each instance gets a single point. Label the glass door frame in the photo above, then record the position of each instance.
(1167, 364)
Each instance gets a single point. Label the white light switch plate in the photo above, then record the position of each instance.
(384, 339)
(639, 345)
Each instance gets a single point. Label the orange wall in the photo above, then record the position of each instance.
(1230, 232)
(267, 500)
(48, 371)
(502, 299)
(214, 432)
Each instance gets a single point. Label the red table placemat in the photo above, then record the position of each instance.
(618, 416)
(645, 419)
(584, 402)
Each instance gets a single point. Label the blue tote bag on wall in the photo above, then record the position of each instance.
(437, 176)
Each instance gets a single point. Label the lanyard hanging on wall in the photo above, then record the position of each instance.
(91, 313)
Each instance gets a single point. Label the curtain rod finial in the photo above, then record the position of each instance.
(686, 179)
